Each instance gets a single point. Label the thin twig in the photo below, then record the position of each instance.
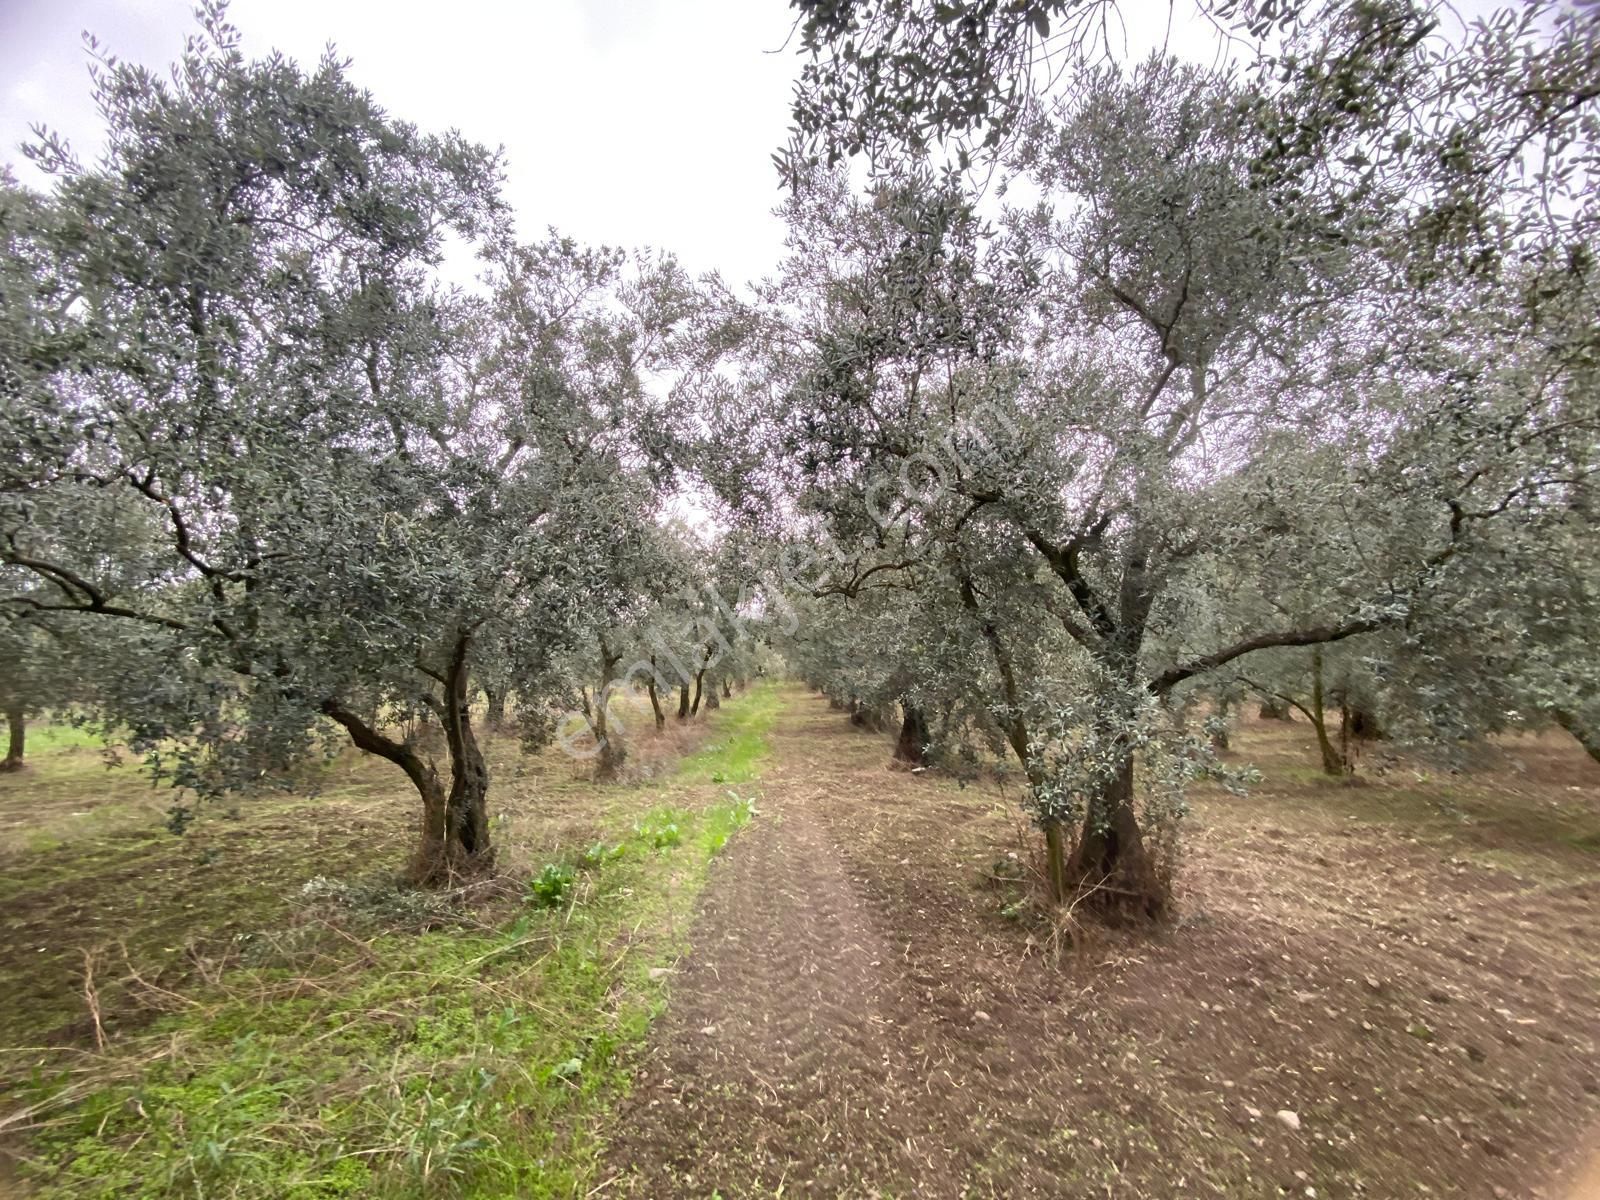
(92, 999)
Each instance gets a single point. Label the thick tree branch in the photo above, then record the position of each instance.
(1316, 635)
(180, 531)
(1064, 561)
(86, 597)
(368, 739)
(1016, 729)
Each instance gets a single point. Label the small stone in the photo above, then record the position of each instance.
(980, 1015)
(710, 1031)
(660, 972)
(1373, 984)
(1253, 1111)
(1288, 1119)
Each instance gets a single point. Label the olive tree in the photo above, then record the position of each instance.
(347, 482)
(1187, 318)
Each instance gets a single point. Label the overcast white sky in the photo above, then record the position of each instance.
(630, 122)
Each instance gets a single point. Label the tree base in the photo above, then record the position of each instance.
(446, 870)
(1130, 889)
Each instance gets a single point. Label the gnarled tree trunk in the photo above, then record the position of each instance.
(454, 838)
(866, 717)
(1333, 759)
(911, 747)
(1274, 708)
(613, 753)
(467, 849)
(1364, 724)
(1111, 858)
(1112, 862)
(16, 735)
(1219, 732)
(496, 707)
(683, 702)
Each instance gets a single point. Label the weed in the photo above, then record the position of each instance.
(445, 1138)
(736, 758)
(660, 828)
(552, 886)
(601, 853)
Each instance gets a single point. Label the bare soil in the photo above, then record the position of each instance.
(1376, 991)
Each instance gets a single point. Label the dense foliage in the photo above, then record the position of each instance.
(1281, 385)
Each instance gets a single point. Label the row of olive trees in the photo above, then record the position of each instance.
(291, 482)
(1267, 371)
(680, 634)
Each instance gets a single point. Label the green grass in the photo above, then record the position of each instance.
(456, 1062)
(351, 1050)
(50, 737)
(740, 742)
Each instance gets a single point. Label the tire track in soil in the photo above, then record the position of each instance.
(777, 1064)
(852, 1022)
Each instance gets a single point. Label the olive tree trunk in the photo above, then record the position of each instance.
(1219, 732)
(1587, 736)
(495, 715)
(453, 840)
(16, 737)
(1111, 859)
(466, 848)
(613, 753)
(1333, 759)
(911, 747)
(655, 698)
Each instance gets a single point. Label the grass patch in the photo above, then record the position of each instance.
(459, 1061)
(1588, 842)
(52, 737)
(740, 742)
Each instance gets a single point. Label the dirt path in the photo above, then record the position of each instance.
(856, 1019)
(774, 1067)
(818, 1043)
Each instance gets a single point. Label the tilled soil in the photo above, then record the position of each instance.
(1339, 1012)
